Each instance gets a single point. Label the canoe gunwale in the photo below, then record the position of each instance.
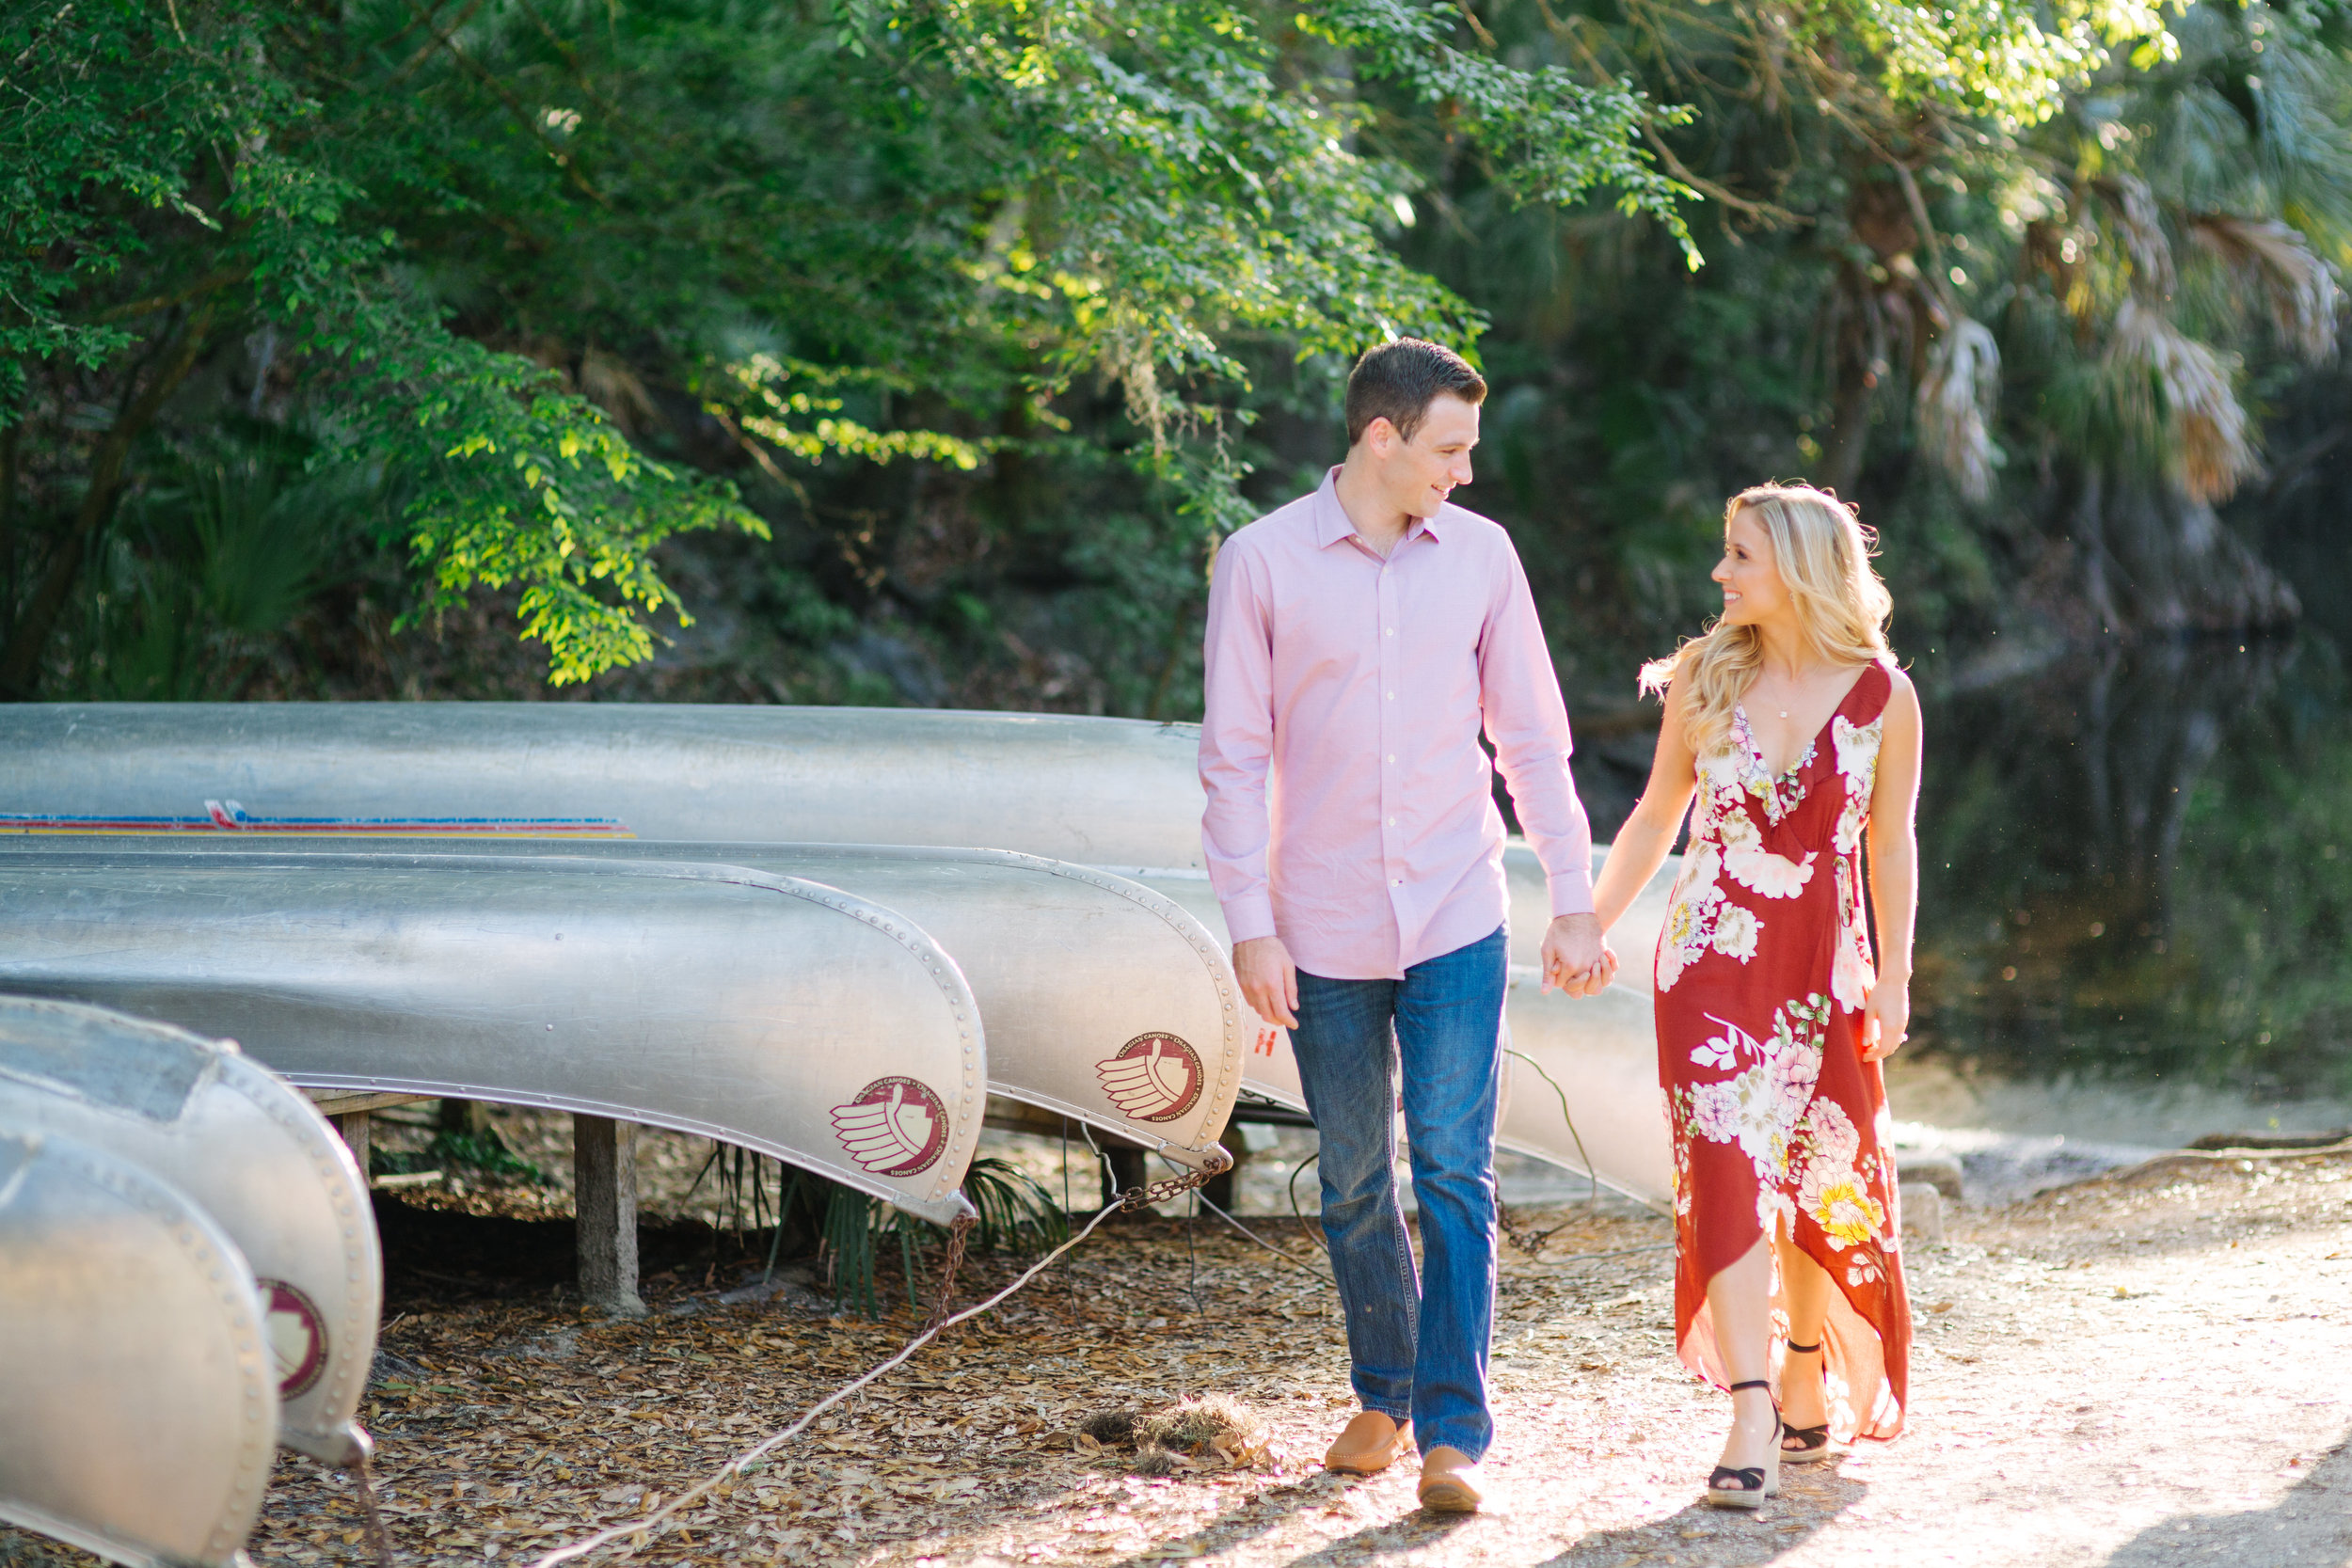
(439, 1088)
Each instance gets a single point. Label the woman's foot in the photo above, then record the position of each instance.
(1804, 1407)
(1749, 1470)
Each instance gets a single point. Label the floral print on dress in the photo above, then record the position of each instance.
(1700, 918)
(1763, 971)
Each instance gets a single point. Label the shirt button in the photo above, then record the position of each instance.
(1392, 696)
(1389, 632)
(1392, 761)
(1396, 882)
(1391, 822)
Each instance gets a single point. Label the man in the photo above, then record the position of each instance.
(1357, 639)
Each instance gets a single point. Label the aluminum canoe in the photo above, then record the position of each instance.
(252, 1153)
(1106, 792)
(137, 1404)
(1102, 1000)
(1600, 1052)
(766, 1011)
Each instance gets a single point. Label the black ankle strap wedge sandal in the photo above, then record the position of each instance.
(1803, 1445)
(1749, 1485)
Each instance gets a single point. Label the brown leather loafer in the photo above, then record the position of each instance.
(1451, 1481)
(1369, 1445)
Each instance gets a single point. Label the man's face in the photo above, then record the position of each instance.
(1418, 474)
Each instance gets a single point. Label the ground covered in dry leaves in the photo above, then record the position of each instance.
(2132, 1372)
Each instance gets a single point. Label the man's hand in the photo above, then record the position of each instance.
(1269, 981)
(1575, 958)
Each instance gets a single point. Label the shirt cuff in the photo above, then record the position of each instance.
(1571, 891)
(1251, 916)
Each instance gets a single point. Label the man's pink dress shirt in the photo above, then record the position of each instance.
(1351, 809)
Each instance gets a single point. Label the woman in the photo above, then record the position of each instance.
(1789, 721)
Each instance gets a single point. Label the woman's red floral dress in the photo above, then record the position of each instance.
(1763, 969)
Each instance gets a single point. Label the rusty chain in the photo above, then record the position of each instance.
(959, 1236)
(1137, 1199)
(379, 1539)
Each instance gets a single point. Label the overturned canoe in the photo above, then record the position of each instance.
(252, 1153)
(1120, 795)
(1581, 1091)
(138, 1409)
(1102, 1000)
(1599, 1053)
(1110, 792)
(761, 1010)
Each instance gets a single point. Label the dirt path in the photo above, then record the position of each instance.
(2127, 1373)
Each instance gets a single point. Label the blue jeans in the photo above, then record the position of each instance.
(1419, 1347)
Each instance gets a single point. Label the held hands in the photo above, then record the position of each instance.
(1576, 959)
(1885, 1019)
(1269, 981)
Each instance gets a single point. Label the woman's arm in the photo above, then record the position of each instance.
(1648, 835)
(1894, 843)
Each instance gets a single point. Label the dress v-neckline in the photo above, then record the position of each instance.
(1812, 746)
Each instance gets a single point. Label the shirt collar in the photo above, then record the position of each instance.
(1331, 519)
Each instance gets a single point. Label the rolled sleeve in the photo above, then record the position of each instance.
(1528, 723)
(1237, 741)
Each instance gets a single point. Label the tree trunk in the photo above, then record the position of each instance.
(20, 660)
(1853, 379)
(2160, 562)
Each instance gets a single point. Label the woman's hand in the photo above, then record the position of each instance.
(1885, 1019)
(1576, 956)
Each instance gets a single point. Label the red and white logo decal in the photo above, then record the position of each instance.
(297, 1336)
(894, 1127)
(1155, 1077)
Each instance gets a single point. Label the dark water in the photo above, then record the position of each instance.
(2136, 865)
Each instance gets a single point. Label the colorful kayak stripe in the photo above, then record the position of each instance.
(228, 816)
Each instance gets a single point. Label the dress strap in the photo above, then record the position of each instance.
(1867, 699)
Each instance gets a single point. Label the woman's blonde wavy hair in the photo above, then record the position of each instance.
(1823, 553)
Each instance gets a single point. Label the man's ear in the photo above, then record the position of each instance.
(1380, 438)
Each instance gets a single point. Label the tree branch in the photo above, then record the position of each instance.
(523, 117)
(219, 277)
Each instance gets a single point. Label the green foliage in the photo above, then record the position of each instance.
(560, 272)
(1016, 1212)
(167, 180)
(484, 1153)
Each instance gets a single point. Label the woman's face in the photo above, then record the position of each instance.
(1752, 590)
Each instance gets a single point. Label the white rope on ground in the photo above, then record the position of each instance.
(1317, 1275)
(1589, 1256)
(1325, 1280)
(769, 1445)
(737, 1466)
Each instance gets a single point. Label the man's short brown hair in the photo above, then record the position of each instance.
(1398, 381)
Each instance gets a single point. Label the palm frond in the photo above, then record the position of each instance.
(2138, 220)
(1956, 400)
(2297, 286)
(2178, 395)
(1015, 1210)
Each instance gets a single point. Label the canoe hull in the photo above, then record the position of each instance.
(141, 1408)
(1601, 1051)
(1110, 792)
(1102, 1001)
(764, 1011)
(252, 1153)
